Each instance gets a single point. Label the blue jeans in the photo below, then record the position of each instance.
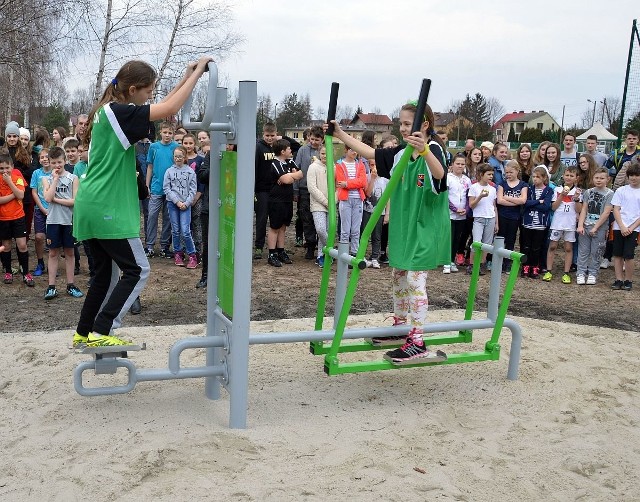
(181, 226)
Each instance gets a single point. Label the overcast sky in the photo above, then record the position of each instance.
(530, 55)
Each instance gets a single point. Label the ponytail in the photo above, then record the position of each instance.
(132, 74)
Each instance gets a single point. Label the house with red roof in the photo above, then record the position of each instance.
(519, 121)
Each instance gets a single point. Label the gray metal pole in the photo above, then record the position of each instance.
(494, 284)
(516, 344)
(342, 277)
(238, 356)
(213, 354)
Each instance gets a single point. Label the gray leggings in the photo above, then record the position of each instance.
(350, 218)
(321, 222)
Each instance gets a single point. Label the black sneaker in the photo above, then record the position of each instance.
(617, 284)
(202, 283)
(384, 259)
(274, 261)
(414, 352)
(299, 242)
(284, 257)
(573, 267)
(310, 254)
(149, 253)
(136, 306)
(627, 285)
(166, 253)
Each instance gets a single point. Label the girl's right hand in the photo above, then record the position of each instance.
(337, 129)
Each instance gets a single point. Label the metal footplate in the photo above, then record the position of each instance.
(106, 361)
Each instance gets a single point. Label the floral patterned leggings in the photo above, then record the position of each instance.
(410, 300)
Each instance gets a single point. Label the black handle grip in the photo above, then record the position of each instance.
(422, 103)
(333, 104)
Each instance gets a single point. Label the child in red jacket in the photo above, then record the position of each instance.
(351, 180)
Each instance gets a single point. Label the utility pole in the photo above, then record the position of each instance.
(593, 117)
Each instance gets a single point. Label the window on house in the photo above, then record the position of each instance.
(499, 133)
(295, 135)
(540, 125)
(553, 127)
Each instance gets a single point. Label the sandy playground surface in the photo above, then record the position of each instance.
(568, 429)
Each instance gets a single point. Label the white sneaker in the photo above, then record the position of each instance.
(605, 263)
(454, 267)
(446, 269)
(368, 263)
(580, 279)
(591, 280)
(375, 263)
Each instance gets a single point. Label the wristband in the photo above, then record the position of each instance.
(423, 151)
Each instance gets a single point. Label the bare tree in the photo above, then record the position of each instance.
(197, 28)
(610, 108)
(495, 110)
(344, 112)
(319, 113)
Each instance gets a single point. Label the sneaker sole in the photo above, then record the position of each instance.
(425, 357)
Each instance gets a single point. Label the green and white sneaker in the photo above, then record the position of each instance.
(96, 340)
(79, 340)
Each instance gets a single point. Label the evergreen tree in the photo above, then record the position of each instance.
(531, 135)
(512, 138)
(294, 111)
(55, 117)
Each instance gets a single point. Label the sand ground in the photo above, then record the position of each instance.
(566, 430)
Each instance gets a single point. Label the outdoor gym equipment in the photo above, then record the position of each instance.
(228, 334)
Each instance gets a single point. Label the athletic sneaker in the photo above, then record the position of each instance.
(299, 242)
(149, 253)
(257, 254)
(79, 340)
(535, 273)
(412, 352)
(566, 278)
(591, 280)
(72, 290)
(39, 270)
(193, 261)
(320, 261)
(525, 271)
(627, 285)
(8, 278)
(446, 269)
(489, 265)
(375, 263)
(96, 340)
(178, 259)
(547, 276)
(166, 253)
(454, 268)
(459, 259)
(617, 284)
(274, 261)
(384, 259)
(580, 279)
(605, 263)
(50, 293)
(28, 280)
(284, 258)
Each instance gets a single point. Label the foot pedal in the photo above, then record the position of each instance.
(433, 357)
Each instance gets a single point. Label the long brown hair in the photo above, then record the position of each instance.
(585, 178)
(537, 158)
(553, 167)
(471, 168)
(528, 167)
(134, 73)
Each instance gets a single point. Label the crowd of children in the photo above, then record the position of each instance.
(564, 198)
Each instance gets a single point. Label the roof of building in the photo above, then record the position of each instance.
(520, 116)
(372, 119)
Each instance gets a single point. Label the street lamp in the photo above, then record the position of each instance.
(595, 103)
(275, 116)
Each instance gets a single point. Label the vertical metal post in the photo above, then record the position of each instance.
(494, 284)
(342, 277)
(238, 354)
(214, 325)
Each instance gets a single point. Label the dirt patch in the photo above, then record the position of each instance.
(171, 298)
